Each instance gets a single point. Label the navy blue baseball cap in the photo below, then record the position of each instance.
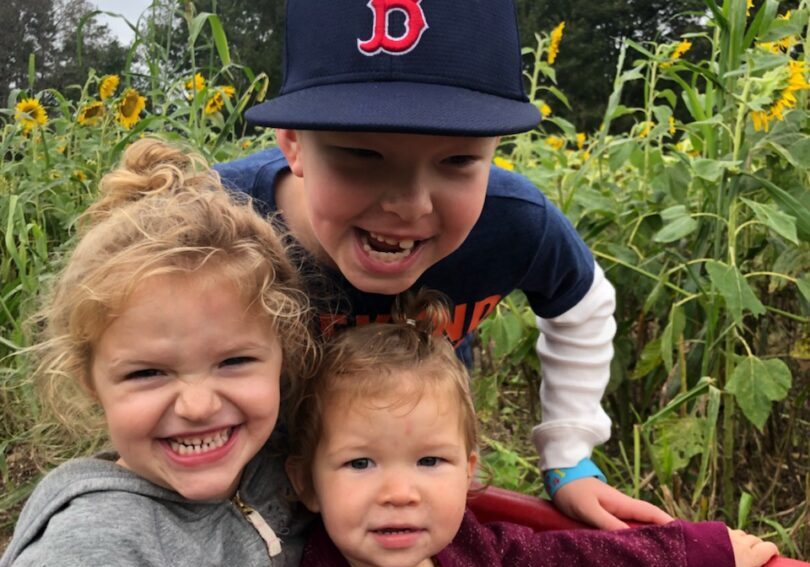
(423, 66)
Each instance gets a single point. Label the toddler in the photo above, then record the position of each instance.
(384, 447)
(387, 122)
(180, 318)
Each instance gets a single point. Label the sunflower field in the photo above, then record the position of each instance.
(696, 203)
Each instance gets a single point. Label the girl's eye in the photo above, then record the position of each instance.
(143, 374)
(237, 360)
(359, 464)
(429, 461)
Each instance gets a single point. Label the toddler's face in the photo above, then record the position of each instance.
(391, 482)
(189, 384)
(383, 208)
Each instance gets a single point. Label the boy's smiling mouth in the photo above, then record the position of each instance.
(386, 249)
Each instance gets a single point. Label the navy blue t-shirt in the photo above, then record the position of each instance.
(521, 241)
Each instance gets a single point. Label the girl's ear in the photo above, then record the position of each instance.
(302, 483)
(289, 142)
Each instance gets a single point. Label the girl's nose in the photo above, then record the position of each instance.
(197, 401)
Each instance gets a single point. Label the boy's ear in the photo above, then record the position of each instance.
(290, 145)
(297, 473)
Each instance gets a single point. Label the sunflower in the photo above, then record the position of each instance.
(796, 81)
(196, 83)
(108, 86)
(130, 107)
(555, 142)
(90, 114)
(30, 113)
(646, 128)
(504, 163)
(581, 139)
(216, 102)
(680, 48)
(554, 46)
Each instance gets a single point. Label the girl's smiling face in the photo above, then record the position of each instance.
(188, 379)
(382, 207)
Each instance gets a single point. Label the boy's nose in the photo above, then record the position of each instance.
(197, 401)
(399, 490)
(409, 202)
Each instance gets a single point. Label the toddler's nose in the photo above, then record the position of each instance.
(399, 490)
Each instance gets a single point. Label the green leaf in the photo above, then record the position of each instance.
(669, 338)
(676, 230)
(755, 383)
(619, 154)
(677, 440)
(803, 284)
(735, 290)
(800, 152)
(712, 169)
(649, 360)
(788, 203)
(746, 501)
(769, 215)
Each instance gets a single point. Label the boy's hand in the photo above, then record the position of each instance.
(593, 502)
(749, 550)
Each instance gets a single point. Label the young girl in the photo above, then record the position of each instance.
(180, 318)
(385, 447)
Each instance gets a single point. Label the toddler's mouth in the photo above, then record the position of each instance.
(387, 249)
(195, 445)
(396, 531)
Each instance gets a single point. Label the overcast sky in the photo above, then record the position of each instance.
(130, 9)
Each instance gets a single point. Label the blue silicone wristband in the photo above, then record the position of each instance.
(554, 479)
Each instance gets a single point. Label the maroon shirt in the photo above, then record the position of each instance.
(704, 544)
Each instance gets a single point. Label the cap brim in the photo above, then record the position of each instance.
(396, 107)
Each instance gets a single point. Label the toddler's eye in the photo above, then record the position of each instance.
(359, 464)
(429, 461)
(143, 373)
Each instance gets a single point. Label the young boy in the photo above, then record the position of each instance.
(387, 123)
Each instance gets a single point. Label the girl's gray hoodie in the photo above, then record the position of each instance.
(93, 512)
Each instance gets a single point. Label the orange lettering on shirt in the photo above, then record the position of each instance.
(482, 310)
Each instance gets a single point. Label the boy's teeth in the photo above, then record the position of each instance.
(405, 247)
(404, 244)
(388, 257)
(200, 444)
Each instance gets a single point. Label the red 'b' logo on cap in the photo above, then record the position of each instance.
(381, 40)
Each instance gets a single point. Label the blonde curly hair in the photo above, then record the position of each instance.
(161, 211)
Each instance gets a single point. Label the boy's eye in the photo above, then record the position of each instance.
(429, 461)
(143, 374)
(359, 464)
(237, 360)
(460, 160)
(362, 153)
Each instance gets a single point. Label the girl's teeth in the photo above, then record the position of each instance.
(197, 445)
